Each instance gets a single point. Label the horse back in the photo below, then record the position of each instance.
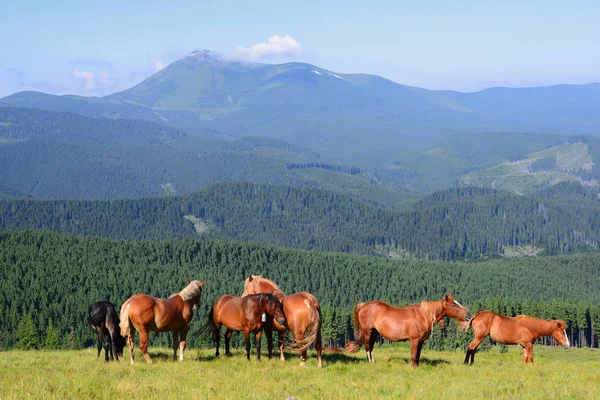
(232, 311)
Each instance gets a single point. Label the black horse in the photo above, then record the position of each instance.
(104, 320)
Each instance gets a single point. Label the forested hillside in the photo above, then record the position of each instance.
(51, 276)
(451, 224)
(61, 155)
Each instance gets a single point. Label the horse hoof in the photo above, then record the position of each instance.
(303, 363)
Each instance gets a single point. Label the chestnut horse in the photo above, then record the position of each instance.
(146, 313)
(413, 323)
(522, 329)
(248, 314)
(302, 313)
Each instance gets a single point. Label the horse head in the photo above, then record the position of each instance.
(250, 285)
(454, 309)
(272, 306)
(120, 343)
(560, 334)
(193, 293)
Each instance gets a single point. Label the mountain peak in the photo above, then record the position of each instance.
(207, 55)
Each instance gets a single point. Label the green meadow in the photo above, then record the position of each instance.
(557, 373)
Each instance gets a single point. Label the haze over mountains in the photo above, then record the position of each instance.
(208, 119)
(356, 119)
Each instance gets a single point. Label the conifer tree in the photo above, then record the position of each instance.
(27, 334)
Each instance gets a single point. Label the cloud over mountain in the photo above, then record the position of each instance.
(275, 46)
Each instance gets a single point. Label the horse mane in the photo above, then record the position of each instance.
(258, 278)
(189, 292)
(431, 309)
(537, 324)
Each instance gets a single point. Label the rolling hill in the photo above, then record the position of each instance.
(61, 155)
(450, 224)
(576, 160)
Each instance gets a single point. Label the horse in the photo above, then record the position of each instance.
(146, 313)
(522, 330)
(249, 314)
(302, 313)
(413, 323)
(104, 320)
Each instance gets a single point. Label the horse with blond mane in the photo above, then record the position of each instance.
(522, 330)
(146, 313)
(413, 323)
(302, 314)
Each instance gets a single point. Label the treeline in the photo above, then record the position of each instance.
(32, 123)
(329, 167)
(55, 277)
(462, 223)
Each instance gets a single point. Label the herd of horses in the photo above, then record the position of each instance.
(263, 307)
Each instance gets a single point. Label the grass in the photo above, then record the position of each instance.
(79, 374)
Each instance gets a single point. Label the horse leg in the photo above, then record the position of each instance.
(228, 334)
(471, 349)
(372, 338)
(247, 338)
(269, 334)
(280, 336)
(528, 353)
(217, 339)
(182, 341)
(257, 337)
(130, 338)
(419, 347)
(144, 346)
(299, 335)
(103, 340)
(319, 348)
(414, 347)
(175, 344)
(113, 343)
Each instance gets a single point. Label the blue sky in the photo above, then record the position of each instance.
(96, 48)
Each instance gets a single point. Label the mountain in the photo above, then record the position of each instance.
(353, 119)
(61, 155)
(447, 225)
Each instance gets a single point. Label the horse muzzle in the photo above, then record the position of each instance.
(281, 321)
(566, 346)
(468, 316)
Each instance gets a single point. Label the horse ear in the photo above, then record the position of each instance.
(201, 283)
(250, 278)
(187, 281)
(561, 325)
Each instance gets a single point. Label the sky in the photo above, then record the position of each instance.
(98, 48)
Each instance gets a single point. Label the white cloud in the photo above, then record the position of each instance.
(92, 81)
(159, 65)
(276, 46)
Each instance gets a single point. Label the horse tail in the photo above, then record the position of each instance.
(125, 324)
(354, 345)
(314, 326)
(466, 324)
(208, 328)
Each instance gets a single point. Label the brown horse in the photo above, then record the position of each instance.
(146, 313)
(522, 329)
(302, 313)
(413, 323)
(248, 314)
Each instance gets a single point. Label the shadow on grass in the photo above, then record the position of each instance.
(422, 361)
(342, 358)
